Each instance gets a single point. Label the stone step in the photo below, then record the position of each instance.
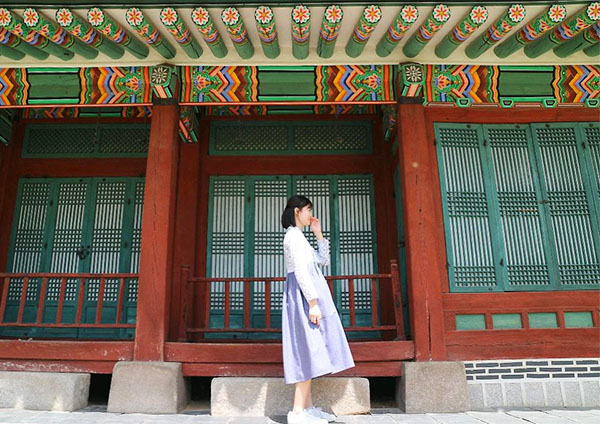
(267, 396)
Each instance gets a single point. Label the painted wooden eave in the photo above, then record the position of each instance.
(282, 11)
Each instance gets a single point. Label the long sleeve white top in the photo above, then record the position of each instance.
(300, 255)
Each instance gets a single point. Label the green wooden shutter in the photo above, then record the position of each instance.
(357, 253)
(464, 180)
(29, 242)
(591, 146)
(226, 246)
(523, 216)
(56, 218)
(245, 238)
(570, 194)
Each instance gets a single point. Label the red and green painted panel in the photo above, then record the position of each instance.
(477, 84)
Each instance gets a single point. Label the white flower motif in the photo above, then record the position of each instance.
(31, 17)
(372, 14)
(95, 16)
(230, 16)
(64, 17)
(301, 14)
(168, 16)
(441, 13)
(200, 16)
(516, 13)
(263, 14)
(409, 14)
(134, 16)
(479, 14)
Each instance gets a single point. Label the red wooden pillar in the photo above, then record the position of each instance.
(424, 255)
(158, 225)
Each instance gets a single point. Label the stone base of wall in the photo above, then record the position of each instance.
(573, 382)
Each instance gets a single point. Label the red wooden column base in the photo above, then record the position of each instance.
(157, 235)
(424, 256)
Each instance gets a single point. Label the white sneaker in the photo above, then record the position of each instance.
(319, 413)
(303, 418)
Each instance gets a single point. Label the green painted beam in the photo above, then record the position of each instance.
(362, 30)
(592, 51)
(463, 30)
(11, 53)
(434, 22)
(136, 19)
(515, 14)
(40, 23)
(300, 31)
(565, 31)
(237, 31)
(111, 29)
(13, 23)
(408, 15)
(532, 31)
(13, 42)
(179, 30)
(81, 29)
(330, 28)
(586, 38)
(267, 32)
(209, 32)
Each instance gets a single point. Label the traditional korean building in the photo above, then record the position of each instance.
(452, 152)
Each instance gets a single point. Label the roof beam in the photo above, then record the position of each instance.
(40, 23)
(179, 30)
(267, 31)
(532, 31)
(232, 19)
(79, 28)
(13, 23)
(330, 27)
(363, 29)
(586, 38)
(11, 53)
(149, 33)
(300, 31)
(565, 31)
(12, 42)
(209, 32)
(111, 29)
(434, 22)
(408, 15)
(462, 31)
(593, 50)
(495, 32)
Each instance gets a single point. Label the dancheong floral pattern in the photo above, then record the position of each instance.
(441, 13)
(134, 16)
(168, 16)
(334, 14)
(230, 16)
(200, 16)
(64, 17)
(31, 17)
(409, 14)
(263, 14)
(516, 13)
(372, 13)
(478, 14)
(95, 16)
(300, 14)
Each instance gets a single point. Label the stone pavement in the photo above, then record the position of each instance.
(95, 414)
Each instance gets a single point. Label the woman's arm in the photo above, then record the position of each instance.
(300, 262)
(323, 253)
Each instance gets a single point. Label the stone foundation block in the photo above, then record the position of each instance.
(148, 388)
(432, 387)
(46, 391)
(257, 396)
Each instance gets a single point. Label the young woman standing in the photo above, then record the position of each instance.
(313, 338)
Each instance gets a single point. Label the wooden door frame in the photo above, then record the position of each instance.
(378, 163)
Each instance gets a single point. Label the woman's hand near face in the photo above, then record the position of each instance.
(315, 226)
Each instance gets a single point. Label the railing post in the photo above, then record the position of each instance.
(185, 302)
(4, 297)
(397, 300)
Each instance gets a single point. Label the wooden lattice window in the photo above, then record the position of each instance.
(521, 205)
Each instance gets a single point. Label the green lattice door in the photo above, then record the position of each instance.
(75, 226)
(245, 239)
(521, 205)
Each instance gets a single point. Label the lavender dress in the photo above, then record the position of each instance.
(309, 350)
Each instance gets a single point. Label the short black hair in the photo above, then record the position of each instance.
(296, 201)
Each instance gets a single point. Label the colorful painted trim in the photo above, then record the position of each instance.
(532, 30)
(232, 19)
(115, 32)
(463, 30)
(179, 30)
(149, 33)
(565, 31)
(300, 31)
(362, 31)
(209, 31)
(354, 83)
(13, 23)
(408, 15)
(267, 33)
(434, 22)
(218, 84)
(514, 15)
(330, 27)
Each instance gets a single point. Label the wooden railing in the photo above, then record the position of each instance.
(199, 287)
(40, 300)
